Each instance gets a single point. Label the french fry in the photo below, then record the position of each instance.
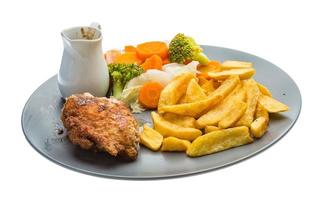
(271, 104)
(242, 73)
(184, 121)
(167, 129)
(195, 109)
(151, 138)
(202, 80)
(213, 116)
(264, 90)
(175, 144)
(227, 86)
(219, 140)
(261, 112)
(253, 93)
(211, 128)
(208, 87)
(236, 111)
(194, 92)
(213, 66)
(259, 127)
(233, 64)
(174, 90)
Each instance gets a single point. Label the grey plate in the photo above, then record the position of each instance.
(42, 127)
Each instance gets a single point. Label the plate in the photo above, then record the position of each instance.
(44, 131)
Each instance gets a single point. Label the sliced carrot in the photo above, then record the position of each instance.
(166, 61)
(129, 49)
(147, 49)
(111, 55)
(128, 58)
(150, 94)
(153, 62)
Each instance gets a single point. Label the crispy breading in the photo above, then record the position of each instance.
(101, 124)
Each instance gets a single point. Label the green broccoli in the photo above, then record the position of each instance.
(120, 74)
(183, 49)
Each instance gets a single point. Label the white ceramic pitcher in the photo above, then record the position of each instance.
(83, 67)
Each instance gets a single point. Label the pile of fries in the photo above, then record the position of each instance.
(221, 108)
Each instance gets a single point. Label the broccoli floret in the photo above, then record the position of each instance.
(183, 49)
(120, 74)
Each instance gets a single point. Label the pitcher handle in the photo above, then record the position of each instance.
(95, 25)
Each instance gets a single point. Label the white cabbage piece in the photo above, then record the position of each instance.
(176, 69)
(150, 75)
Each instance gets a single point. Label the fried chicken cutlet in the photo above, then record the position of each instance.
(101, 124)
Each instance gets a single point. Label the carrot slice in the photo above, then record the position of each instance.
(153, 62)
(129, 49)
(150, 94)
(166, 61)
(111, 55)
(128, 58)
(147, 49)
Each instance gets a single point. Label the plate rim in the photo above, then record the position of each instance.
(176, 175)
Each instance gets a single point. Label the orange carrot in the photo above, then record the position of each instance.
(111, 55)
(150, 94)
(153, 62)
(166, 61)
(128, 58)
(129, 49)
(147, 49)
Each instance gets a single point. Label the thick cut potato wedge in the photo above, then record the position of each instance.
(232, 64)
(167, 129)
(194, 92)
(261, 112)
(213, 66)
(264, 90)
(202, 80)
(208, 87)
(211, 128)
(227, 86)
(271, 104)
(193, 109)
(242, 73)
(151, 138)
(197, 108)
(219, 140)
(253, 93)
(184, 121)
(213, 116)
(235, 113)
(174, 90)
(175, 144)
(259, 127)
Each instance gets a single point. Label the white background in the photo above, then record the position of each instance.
(284, 32)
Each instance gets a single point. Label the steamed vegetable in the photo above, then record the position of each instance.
(128, 58)
(121, 74)
(176, 69)
(153, 62)
(183, 49)
(148, 49)
(150, 94)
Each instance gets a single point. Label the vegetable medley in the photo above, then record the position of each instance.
(139, 73)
